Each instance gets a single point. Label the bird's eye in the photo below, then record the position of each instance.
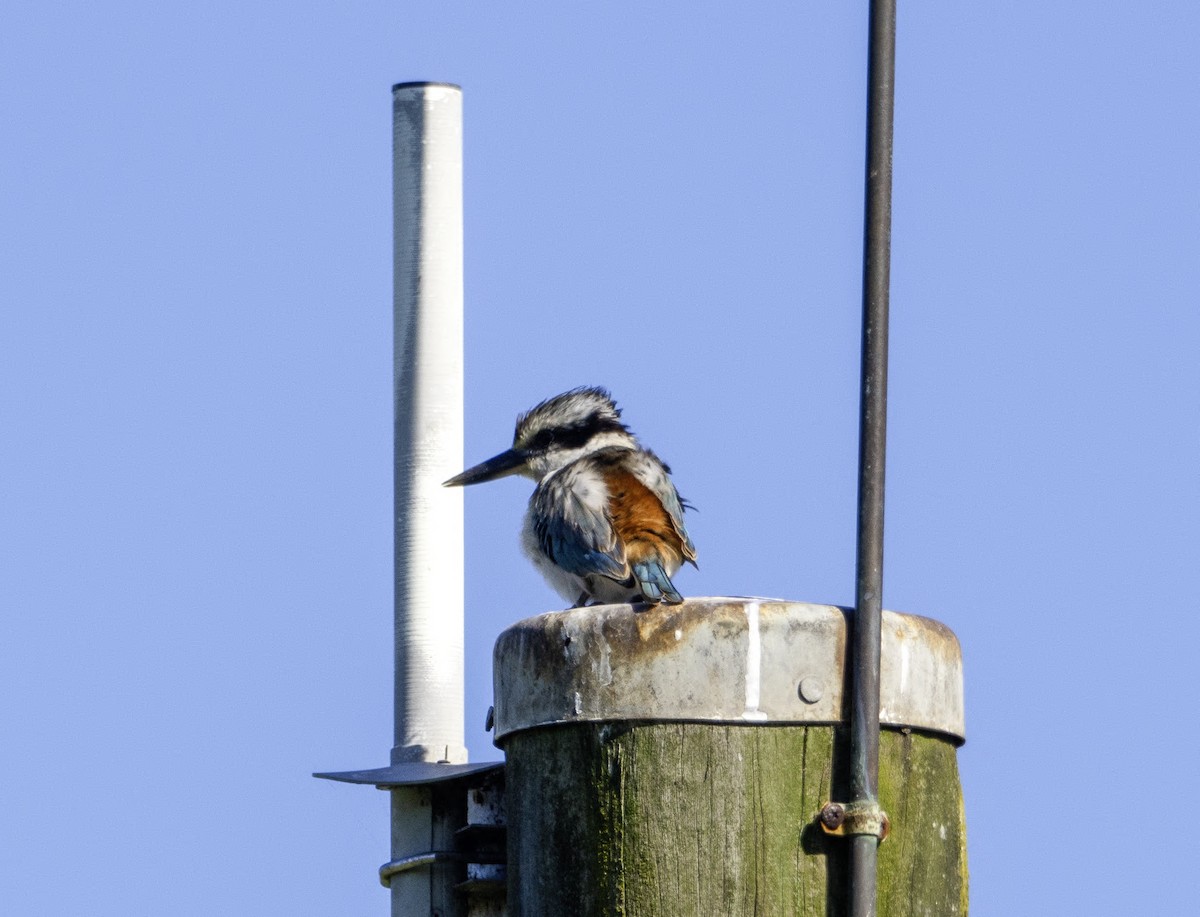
(544, 438)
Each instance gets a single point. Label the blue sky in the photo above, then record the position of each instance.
(195, 281)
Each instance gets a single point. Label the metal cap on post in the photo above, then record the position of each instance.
(719, 660)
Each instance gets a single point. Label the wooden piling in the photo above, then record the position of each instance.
(698, 805)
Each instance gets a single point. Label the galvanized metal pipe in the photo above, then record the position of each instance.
(868, 594)
(428, 399)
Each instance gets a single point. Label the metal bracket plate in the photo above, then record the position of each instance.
(849, 819)
(412, 773)
(415, 861)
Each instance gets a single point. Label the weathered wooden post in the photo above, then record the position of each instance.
(675, 761)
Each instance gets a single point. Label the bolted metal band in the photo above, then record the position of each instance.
(725, 660)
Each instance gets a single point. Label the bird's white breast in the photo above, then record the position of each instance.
(568, 585)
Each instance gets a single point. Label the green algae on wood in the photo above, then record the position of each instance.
(719, 820)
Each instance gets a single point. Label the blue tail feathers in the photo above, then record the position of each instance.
(654, 583)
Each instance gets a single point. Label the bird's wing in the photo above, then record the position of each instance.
(652, 472)
(570, 511)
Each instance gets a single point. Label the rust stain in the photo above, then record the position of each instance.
(940, 639)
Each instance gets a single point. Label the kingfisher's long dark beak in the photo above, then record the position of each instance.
(497, 466)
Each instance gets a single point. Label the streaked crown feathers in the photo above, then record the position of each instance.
(569, 420)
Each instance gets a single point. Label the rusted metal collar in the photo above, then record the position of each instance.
(845, 819)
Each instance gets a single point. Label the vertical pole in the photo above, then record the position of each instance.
(428, 403)
(868, 595)
(427, 188)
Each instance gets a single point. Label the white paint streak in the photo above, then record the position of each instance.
(753, 665)
(604, 675)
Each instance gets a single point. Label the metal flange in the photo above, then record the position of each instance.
(415, 861)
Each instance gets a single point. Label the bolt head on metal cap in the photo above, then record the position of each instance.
(811, 689)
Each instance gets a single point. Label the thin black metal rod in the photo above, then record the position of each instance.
(872, 433)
